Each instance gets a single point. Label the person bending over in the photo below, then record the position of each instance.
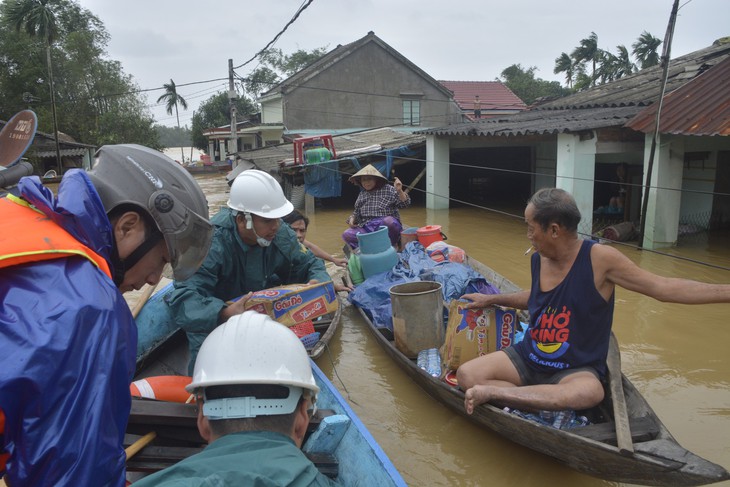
(67, 334)
(251, 251)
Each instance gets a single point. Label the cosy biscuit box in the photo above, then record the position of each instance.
(471, 333)
(295, 303)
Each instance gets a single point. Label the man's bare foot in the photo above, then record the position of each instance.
(475, 396)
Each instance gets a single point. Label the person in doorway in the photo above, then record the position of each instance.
(252, 415)
(251, 251)
(377, 205)
(618, 200)
(68, 337)
(561, 361)
(299, 223)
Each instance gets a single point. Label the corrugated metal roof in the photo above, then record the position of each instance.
(493, 95)
(539, 122)
(372, 141)
(609, 105)
(700, 107)
(64, 153)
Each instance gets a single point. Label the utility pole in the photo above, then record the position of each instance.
(233, 142)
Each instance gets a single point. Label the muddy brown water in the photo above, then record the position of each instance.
(676, 355)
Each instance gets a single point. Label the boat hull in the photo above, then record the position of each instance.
(358, 458)
(657, 459)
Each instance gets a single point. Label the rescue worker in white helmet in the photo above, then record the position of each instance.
(255, 393)
(67, 334)
(252, 250)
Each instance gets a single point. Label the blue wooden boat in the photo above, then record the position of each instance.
(156, 324)
(338, 442)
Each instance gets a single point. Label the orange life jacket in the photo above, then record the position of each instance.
(27, 235)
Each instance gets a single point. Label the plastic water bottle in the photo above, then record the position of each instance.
(422, 360)
(430, 361)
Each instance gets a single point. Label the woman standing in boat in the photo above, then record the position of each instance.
(561, 360)
(377, 205)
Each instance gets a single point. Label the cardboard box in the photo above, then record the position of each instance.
(295, 303)
(471, 333)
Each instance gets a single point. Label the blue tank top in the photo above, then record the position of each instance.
(570, 325)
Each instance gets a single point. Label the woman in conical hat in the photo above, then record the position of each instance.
(377, 205)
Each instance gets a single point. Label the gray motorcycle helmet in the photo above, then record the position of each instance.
(137, 175)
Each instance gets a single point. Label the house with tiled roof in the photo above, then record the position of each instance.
(577, 143)
(484, 99)
(364, 84)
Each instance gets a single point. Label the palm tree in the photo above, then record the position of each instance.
(172, 99)
(624, 66)
(588, 51)
(38, 18)
(645, 50)
(564, 64)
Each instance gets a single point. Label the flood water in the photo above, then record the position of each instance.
(676, 355)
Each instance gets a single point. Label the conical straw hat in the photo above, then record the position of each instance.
(368, 170)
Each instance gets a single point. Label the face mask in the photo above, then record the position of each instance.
(262, 242)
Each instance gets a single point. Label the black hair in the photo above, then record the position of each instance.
(295, 216)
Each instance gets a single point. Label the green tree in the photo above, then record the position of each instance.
(587, 52)
(645, 50)
(523, 83)
(99, 103)
(172, 99)
(276, 66)
(215, 112)
(38, 18)
(564, 64)
(624, 65)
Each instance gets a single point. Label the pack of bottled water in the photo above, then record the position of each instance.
(430, 361)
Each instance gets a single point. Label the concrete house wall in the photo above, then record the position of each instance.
(360, 85)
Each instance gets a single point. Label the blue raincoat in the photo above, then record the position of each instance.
(68, 344)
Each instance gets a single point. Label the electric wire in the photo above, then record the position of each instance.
(521, 217)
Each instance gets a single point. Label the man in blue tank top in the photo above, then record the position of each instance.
(561, 361)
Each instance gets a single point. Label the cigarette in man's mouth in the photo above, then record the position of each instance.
(528, 250)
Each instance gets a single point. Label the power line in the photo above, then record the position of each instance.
(521, 217)
(294, 18)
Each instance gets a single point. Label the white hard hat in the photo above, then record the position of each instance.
(252, 348)
(257, 192)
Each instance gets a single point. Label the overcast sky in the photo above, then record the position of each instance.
(467, 40)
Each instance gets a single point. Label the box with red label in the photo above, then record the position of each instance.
(471, 333)
(295, 303)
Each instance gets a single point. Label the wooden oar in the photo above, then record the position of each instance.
(135, 447)
(620, 411)
(143, 299)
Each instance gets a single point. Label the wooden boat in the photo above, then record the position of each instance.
(657, 458)
(337, 441)
(155, 324)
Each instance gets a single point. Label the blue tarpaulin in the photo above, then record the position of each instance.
(323, 180)
(414, 264)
